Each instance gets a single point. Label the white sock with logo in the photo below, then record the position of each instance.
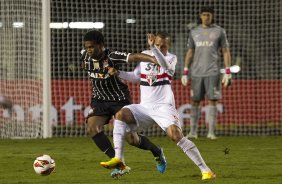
(118, 138)
(190, 149)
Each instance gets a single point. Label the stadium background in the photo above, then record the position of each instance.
(252, 106)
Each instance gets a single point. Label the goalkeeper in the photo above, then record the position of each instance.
(110, 94)
(204, 44)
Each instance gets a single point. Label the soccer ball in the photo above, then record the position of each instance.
(44, 165)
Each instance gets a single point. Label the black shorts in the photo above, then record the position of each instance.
(102, 108)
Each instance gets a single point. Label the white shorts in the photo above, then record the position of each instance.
(147, 115)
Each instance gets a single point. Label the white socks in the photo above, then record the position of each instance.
(190, 149)
(118, 138)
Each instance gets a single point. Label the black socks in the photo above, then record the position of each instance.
(146, 144)
(104, 144)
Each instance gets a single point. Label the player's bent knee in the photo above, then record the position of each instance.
(174, 133)
(91, 131)
(93, 128)
(132, 139)
(124, 115)
(176, 138)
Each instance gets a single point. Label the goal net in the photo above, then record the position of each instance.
(251, 106)
(21, 68)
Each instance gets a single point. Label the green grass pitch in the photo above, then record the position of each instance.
(250, 160)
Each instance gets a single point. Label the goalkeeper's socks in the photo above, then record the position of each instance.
(211, 118)
(194, 119)
(104, 144)
(190, 149)
(118, 137)
(146, 144)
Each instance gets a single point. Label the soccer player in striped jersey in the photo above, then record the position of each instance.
(109, 93)
(157, 105)
(204, 43)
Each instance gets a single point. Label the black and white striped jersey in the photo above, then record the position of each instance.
(106, 87)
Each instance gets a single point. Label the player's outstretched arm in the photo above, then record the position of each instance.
(157, 53)
(129, 76)
(133, 76)
(138, 57)
(167, 64)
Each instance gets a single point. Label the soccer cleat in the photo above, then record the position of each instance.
(192, 136)
(161, 162)
(113, 163)
(208, 175)
(117, 173)
(211, 136)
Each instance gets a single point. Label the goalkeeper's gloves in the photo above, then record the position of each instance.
(184, 78)
(226, 79)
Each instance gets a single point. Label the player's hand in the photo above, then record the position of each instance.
(184, 78)
(226, 79)
(84, 56)
(113, 71)
(84, 59)
(151, 39)
(155, 61)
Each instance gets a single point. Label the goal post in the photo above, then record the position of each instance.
(46, 58)
(25, 68)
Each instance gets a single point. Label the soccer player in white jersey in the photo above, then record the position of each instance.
(157, 105)
(204, 43)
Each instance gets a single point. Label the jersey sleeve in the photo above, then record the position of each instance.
(133, 76)
(190, 43)
(160, 57)
(119, 57)
(168, 63)
(173, 62)
(223, 39)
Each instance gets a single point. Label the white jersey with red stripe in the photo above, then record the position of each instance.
(155, 81)
(157, 100)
